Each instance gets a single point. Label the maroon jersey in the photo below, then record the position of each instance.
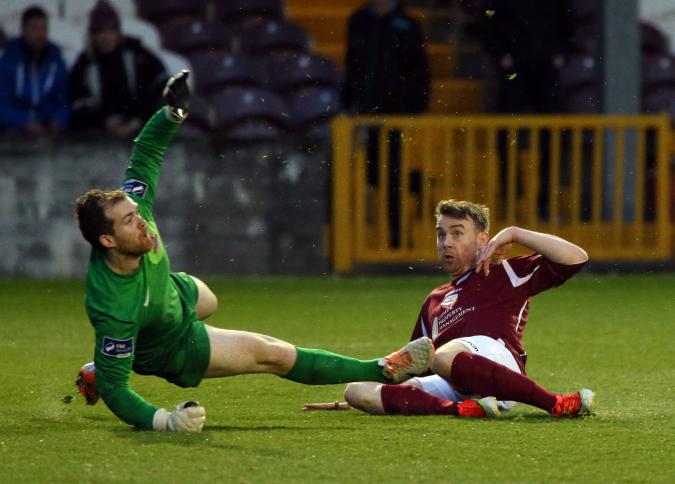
(495, 305)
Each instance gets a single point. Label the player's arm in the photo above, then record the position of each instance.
(113, 358)
(551, 247)
(142, 174)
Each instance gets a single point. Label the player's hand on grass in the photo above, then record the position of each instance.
(494, 251)
(177, 95)
(188, 417)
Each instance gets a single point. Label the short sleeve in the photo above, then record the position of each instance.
(534, 273)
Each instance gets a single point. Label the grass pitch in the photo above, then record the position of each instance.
(613, 334)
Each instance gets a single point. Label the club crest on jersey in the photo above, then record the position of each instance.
(117, 348)
(450, 298)
(135, 187)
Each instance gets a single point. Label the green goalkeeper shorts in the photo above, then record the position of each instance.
(192, 358)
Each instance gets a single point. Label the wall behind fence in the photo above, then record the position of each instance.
(222, 208)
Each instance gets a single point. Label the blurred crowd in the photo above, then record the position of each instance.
(115, 82)
(113, 86)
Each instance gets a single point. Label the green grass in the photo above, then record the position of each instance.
(615, 335)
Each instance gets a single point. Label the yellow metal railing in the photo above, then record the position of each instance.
(600, 181)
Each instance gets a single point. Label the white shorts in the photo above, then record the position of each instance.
(484, 346)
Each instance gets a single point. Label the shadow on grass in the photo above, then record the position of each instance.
(144, 437)
(267, 428)
(539, 418)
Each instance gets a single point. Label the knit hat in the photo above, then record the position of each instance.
(103, 16)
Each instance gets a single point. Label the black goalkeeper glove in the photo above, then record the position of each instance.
(177, 95)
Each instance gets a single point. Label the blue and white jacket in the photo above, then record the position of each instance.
(31, 91)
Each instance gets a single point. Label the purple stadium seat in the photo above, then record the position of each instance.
(585, 99)
(578, 70)
(214, 72)
(164, 10)
(274, 38)
(303, 70)
(312, 106)
(657, 70)
(250, 112)
(202, 113)
(198, 36)
(579, 84)
(240, 14)
(660, 99)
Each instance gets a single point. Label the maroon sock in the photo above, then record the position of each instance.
(407, 400)
(480, 376)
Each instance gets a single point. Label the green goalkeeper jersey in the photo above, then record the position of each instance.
(139, 318)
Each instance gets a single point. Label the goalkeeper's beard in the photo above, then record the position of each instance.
(138, 249)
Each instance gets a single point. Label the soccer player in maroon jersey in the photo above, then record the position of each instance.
(477, 322)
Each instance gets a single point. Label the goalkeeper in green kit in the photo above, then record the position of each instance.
(149, 319)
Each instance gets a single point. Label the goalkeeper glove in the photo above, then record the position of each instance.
(188, 417)
(177, 95)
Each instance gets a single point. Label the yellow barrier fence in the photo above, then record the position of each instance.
(600, 181)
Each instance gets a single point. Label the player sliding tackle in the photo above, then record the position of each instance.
(477, 321)
(149, 319)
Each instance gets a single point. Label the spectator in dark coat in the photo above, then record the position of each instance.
(387, 68)
(116, 82)
(528, 41)
(387, 73)
(33, 80)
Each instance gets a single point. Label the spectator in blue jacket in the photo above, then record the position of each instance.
(33, 80)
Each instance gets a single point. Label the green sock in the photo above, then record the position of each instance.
(319, 367)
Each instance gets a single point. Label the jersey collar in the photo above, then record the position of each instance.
(460, 279)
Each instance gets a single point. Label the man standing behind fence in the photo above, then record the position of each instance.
(387, 73)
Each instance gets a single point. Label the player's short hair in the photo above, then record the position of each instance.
(480, 214)
(32, 12)
(90, 213)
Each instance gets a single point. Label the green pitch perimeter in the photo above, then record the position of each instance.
(613, 334)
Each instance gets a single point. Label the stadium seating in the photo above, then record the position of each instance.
(242, 14)
(202, 114)
(657, 70)
(658, 84)
(313, 106)
(189, 38)
(303, 70)
(660, 100)
(250, 112)
(160, 12)
(213, 72)
(579, 84)
(274, 38)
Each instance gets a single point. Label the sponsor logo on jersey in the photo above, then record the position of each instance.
(450, 298)
(117, 348)
(135, 187)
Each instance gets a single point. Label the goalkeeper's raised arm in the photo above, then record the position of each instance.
(142, 174)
